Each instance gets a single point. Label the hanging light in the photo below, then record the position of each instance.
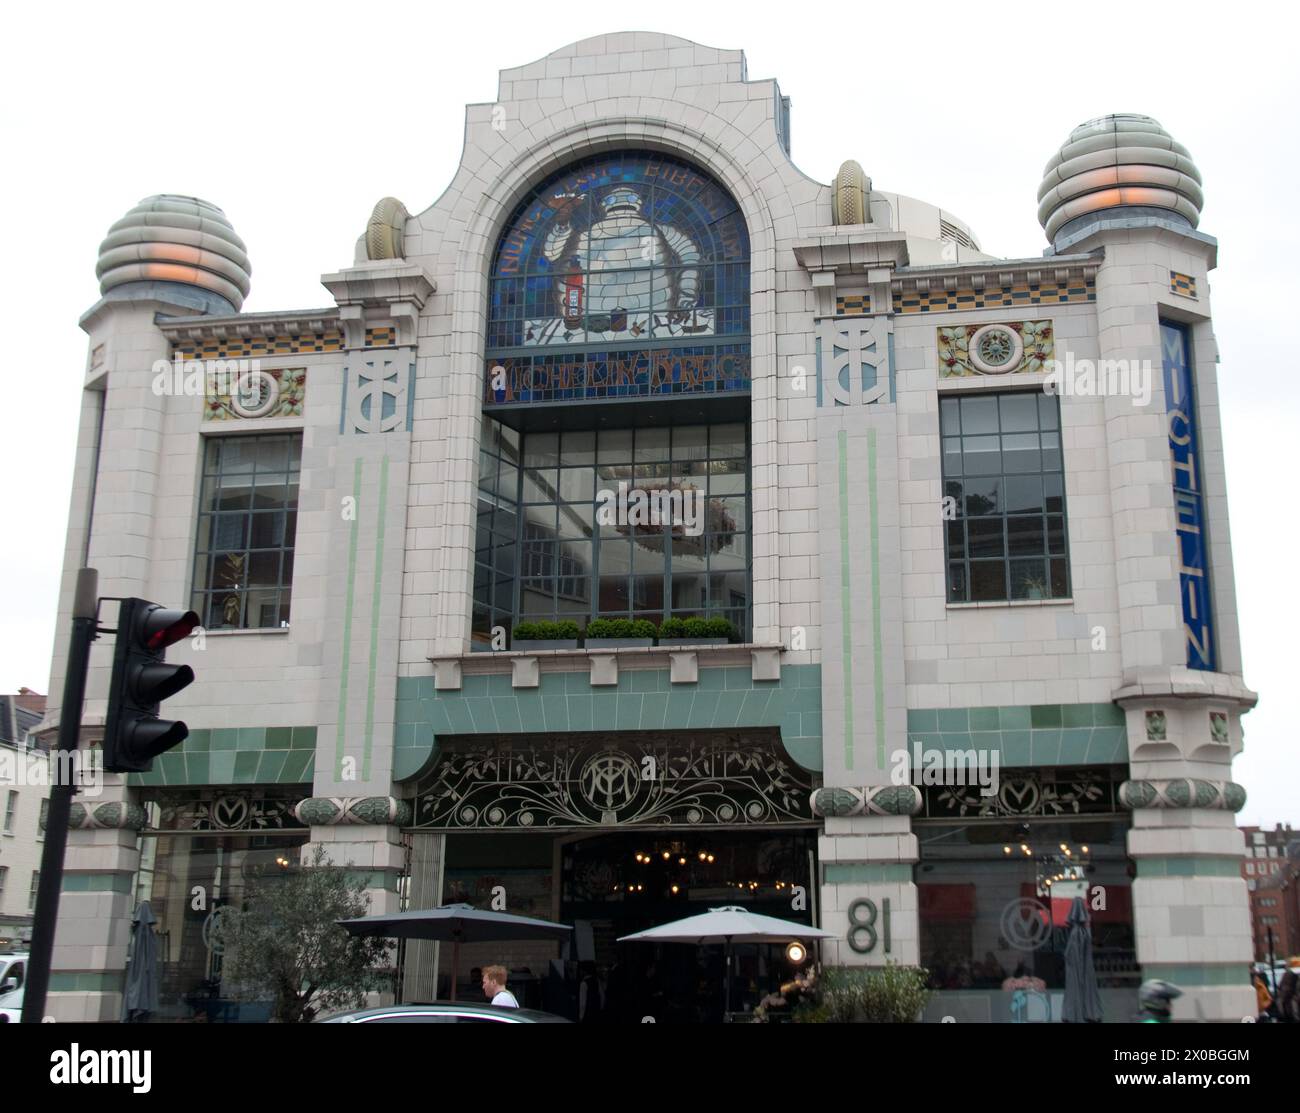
(710, 859)
(796, 952)
(676, 889)
(704, 855)
(1006, 850)
(667, 855)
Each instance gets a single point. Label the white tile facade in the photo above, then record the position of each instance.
(1121, 627)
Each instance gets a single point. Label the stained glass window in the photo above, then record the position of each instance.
(624, 276)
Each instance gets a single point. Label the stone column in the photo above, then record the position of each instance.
(868, 851)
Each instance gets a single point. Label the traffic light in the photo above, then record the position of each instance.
(133, 733)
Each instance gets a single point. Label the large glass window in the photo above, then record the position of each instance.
(556, 538)
(1005, 507)
(248, 517)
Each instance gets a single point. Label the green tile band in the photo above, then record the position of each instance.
(74, 882)
(877, 639)
(347, 621)
(1041, 734)
(1185, 974)
(722, 697)
(863, 873)
(1191, 866)
(846, 601)
(374, 618)
(87, 982)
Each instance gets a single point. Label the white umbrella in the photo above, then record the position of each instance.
(730, 924)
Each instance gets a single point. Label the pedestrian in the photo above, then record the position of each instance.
(1157, 1000)
(494, 987)
(1288, 992)
(1263, 999)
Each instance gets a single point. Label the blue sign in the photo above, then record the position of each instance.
(1189, 505)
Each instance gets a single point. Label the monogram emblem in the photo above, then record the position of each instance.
(851, 356)
(1025, 924)
(377, 394)
(609, 781)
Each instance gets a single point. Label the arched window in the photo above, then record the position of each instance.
(617, 376)
(626, 276)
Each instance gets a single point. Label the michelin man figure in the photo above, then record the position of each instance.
(618, 294)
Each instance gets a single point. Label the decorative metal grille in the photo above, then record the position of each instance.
(208, 810)
(658, 779)
(1029, 792)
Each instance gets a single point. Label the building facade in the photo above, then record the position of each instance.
(959, 523)
(1272, 872)
(24, 799)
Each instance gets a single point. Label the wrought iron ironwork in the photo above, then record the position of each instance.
(656, 779)
(1029, 792)
(217, 811)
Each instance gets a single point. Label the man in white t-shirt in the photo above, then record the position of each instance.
(494, 987)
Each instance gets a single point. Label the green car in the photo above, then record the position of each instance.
(444, 1012)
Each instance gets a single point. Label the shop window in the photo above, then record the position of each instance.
(248, 521)
(1004, 487)
(994, 897)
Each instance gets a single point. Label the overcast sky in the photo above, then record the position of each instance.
(295, 119)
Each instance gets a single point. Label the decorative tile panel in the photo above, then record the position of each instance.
(255, 393)
(853, 305)
(249, 346)
(1008, 347)
(1183, 284)
(995, 297)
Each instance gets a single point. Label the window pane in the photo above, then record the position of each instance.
(542, 450)
(979, 415)
(956, 539)
(982, 496)
(578, 448)
(1025, 536)
(988, 580)
(1024, 494)
(949, 420)
(1029, 579)
(981, 456)
(985, 537)
(956, 582)
(1048, 410)
(577, 484)
(1019, 412)
(1020, 453)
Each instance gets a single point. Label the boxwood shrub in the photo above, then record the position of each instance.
(620, 628)
(546, 631)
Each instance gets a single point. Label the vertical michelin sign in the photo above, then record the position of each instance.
(1189, 504)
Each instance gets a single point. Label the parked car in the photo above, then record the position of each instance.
(443, 1012)
(13, 980)
(11, 1007)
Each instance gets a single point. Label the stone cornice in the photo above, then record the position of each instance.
(379, 283)
(1063, 269)
(852, 249)
(1184, 683)
(247, 325)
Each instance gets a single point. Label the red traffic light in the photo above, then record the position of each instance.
(161, 627)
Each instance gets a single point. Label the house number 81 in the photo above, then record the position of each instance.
(862, 918)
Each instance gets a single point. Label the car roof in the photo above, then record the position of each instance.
(527, 1015)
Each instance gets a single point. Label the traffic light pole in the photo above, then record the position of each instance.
(84, 621)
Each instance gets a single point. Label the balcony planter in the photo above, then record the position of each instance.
(619, 633)
(541, 636)
(696, 631)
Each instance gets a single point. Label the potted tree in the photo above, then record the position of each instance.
(696, 631)
(619, 633)
(545, 635)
